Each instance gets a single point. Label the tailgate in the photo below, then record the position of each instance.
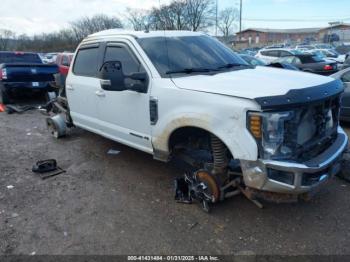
(29, 72)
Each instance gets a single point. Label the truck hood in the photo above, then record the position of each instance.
(251, 83)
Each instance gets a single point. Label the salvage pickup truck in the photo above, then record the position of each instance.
(22, 72)
(268, 132)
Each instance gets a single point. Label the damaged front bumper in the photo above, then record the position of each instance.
(291, 178)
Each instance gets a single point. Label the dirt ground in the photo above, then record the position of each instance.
(124, 204)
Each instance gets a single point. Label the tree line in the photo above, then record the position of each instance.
(194, 15)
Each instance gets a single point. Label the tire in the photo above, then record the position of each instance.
(4, 97)
(57, 126)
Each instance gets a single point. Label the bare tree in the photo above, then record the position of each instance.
(227, 17)
(162, 18)
(5, 38)
(86, 26)
(179, 14)
(138, 18)
(200, 13)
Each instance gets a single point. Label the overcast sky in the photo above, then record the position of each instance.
(38, 16)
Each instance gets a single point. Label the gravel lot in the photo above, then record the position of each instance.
(123, 204)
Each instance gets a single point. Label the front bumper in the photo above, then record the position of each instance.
(295, 178)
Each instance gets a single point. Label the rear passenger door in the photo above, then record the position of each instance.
(81, 87)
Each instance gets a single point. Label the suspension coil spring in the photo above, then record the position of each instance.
(219, 154)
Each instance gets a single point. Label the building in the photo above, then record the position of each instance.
(264, 36)
(340, 30)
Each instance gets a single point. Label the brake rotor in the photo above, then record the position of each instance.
(212, 187)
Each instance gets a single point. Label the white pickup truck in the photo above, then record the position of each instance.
(172, 93)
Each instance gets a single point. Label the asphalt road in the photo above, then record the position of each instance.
(123, 204)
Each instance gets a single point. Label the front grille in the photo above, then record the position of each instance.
(312, 129)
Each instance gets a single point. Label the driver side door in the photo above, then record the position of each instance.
(125, 115)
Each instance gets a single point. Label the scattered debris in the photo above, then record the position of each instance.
(14, 215)
(47, 168)
(10, 187)
(193, 225)
(10, 109)
(113, 152)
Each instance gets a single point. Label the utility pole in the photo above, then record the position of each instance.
(216, 19)
(240, 19)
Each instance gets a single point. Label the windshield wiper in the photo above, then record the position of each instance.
(190, 70)
(230, 65)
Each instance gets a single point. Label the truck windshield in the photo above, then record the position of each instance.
(190, 55)
(19, 57)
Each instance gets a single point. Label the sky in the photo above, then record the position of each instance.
(44, 16)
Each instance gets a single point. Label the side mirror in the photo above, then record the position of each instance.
(142, 76)
(112, 77)
(140, 82)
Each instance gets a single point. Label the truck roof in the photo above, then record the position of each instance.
(141, 34)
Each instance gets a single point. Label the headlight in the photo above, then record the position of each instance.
(268, 130)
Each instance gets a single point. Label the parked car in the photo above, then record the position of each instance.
(252, 60)
(257, 62)
(63, 62)
(304, 47)
(323, 46)
(202, 97)
(331, 54)
(49, 58)
(346, 63)
(271, 55)
(310, 63)
(23, 72)
(344, 76)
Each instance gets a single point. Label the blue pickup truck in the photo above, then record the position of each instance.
(24, 72)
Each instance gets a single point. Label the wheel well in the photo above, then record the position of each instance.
(188, 135)
(194, 137)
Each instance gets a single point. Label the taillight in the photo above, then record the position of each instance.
(328, 67)
(3, 74)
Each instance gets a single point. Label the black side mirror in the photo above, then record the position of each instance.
(141, 76)
(112, 76)
(141, 84)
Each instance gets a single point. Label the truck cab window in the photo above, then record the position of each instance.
(122, 54)
(86, 62)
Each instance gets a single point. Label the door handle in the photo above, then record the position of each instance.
(100, 93)
(69, 87)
